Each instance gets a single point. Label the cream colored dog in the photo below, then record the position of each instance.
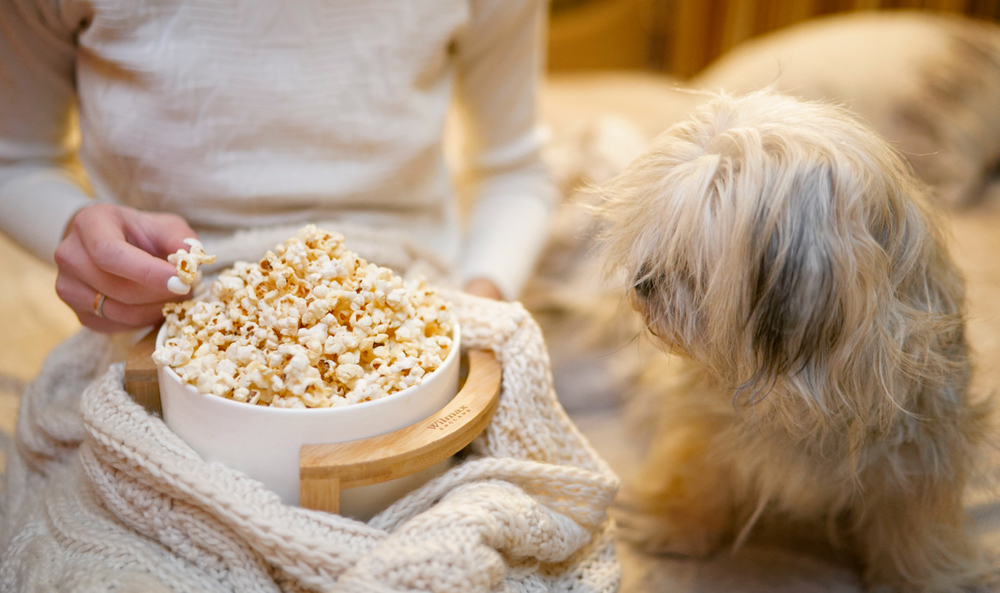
(788, 254)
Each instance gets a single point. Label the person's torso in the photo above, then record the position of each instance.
(245, 113)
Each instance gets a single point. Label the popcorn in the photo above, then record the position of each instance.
(187, 263)
(311, 325)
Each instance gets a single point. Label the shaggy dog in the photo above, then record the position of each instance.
(789, 255)
(928, 82)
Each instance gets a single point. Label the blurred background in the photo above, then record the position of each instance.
(680, 37)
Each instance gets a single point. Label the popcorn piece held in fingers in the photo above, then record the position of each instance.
(187, 262)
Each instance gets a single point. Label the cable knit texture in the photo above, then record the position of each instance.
(103, 496)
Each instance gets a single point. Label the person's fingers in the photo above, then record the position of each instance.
(130, 315)
(102, 232)
(105, 325)
(119, 253)
(105, 315)
(74, 293)
(75, 262)
(157, 233)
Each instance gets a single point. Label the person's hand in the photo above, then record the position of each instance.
(119, 254)
(484, 288)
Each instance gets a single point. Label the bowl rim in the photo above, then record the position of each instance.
(449, 360)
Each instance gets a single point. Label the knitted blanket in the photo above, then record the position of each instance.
(101, 496)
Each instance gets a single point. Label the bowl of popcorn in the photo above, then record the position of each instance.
(309, 345)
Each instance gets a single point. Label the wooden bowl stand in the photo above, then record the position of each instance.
(326, 469)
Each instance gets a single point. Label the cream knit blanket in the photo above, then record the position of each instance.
(101, 496)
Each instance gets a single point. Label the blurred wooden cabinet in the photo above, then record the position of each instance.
(683, 36)
(605, 34)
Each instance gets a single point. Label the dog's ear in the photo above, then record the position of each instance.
(794, 311)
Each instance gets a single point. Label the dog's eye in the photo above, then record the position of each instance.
(645, 287)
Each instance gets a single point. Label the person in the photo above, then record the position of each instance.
(205, 119)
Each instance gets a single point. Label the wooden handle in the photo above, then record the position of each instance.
(141, 381)
(325, 469)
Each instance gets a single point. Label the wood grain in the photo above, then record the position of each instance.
(320, 494)
(141, 381)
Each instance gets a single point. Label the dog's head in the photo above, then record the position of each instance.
(775, 240)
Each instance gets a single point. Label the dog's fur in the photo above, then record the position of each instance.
(787, 253)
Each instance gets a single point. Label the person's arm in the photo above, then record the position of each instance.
(37, 91)
(500, 57)
(111, 261)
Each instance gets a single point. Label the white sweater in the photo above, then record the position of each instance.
(243, 114)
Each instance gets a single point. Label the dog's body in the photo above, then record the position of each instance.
(791, 257)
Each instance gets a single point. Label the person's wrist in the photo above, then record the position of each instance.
(483, 287)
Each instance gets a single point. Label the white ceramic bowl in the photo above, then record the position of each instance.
(264, 442)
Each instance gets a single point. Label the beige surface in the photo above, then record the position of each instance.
(34, 320)
(977, 249)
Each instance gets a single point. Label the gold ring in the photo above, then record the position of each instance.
(99, 305)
